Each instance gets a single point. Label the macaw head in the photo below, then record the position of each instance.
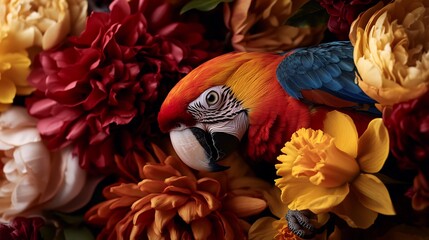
(230, 99)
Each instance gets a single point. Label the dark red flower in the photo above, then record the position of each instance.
(408, 125)
(419, 193)
(22, 228)
(342, 13)
(107, 84)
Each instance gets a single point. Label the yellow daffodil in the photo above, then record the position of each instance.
(331, 170)
(391, 50)
(269, 228)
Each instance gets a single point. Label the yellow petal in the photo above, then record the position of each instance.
(19, 68)
(8, 90)
(372, 194)
(57, 31)
(373, 147)
(277, 207)
(262, 229)
(300, 194)
(354, 213)
(341, 127)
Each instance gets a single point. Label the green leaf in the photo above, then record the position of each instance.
(202, 5)
(81, 233)
(388, 180)
(310, 14)
(70, 219)
(48, 232)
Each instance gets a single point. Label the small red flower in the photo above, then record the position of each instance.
(408, 125)
(342, 13)
(107, 84)
(419, 193)
(22, 228)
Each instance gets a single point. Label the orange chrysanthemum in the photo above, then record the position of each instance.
(172, 202)
(257, 25)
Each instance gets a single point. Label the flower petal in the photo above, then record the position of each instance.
(73, 182)
(277, 207)
(16, 117)
(372, 194)
(342, 128)
(201, 228)
(373, 147)
(162, 218)
(354, 213)
(8, 91)
(262, 229)
(299, 194)
(244, 206)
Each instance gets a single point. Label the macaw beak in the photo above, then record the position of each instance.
(202, 146)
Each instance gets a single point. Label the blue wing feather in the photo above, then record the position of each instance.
(328, 67)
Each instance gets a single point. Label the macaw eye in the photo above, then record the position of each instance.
(212, 98)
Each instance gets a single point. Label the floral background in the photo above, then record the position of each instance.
(81, 83)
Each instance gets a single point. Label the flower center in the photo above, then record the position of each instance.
(283, 231)
(321, 161)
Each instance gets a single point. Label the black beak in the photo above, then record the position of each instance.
(217, 146)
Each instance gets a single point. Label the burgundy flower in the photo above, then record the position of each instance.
(408, 125)
(342, 13)
(103, 88)
(419, 193)
(22, 228)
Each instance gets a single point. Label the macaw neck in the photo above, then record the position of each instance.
(268, 136)
(274, 126)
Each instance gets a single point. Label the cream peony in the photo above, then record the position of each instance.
(391, 50)
(34, 179)
(39, 23)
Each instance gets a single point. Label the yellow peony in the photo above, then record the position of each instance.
(14, 68)
(258, 25)
(330, 170)
(391, 50)
(27, 27)
(29, 23)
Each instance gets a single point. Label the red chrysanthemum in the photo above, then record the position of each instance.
(22, 228)
(104, 88)
(342, 13)
(408, 125)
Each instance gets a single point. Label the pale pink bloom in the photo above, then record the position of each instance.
(34, 179)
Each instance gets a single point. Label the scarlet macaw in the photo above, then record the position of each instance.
(258, 99)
